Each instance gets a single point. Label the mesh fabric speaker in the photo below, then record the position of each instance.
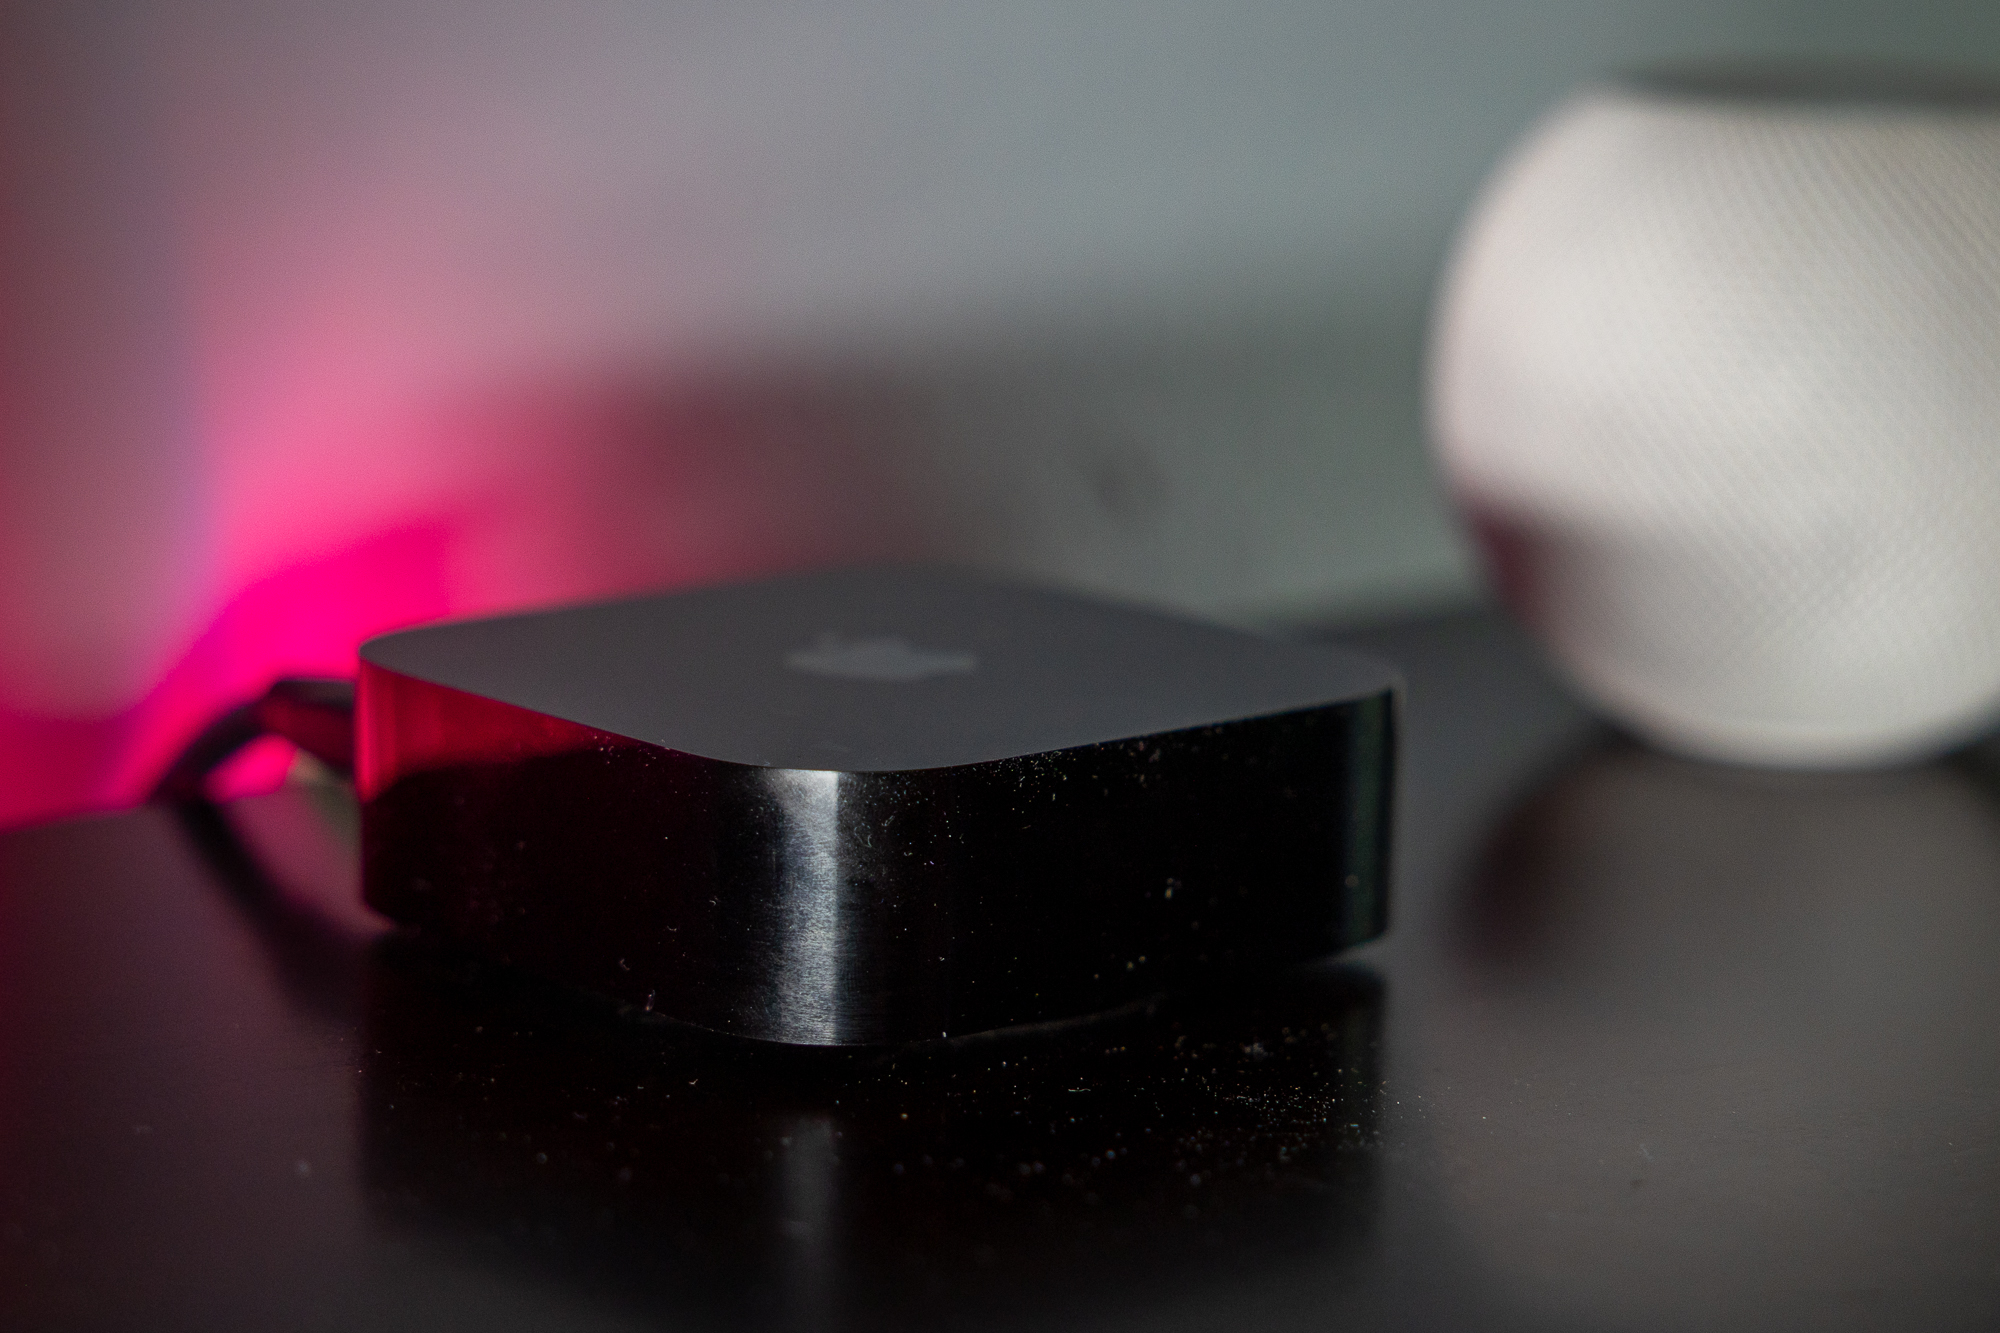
(1716, 379)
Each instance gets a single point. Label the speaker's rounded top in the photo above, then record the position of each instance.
(1830, 84)
(1713, 374)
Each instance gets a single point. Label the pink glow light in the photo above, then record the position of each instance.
(523, 500)
(305, 620)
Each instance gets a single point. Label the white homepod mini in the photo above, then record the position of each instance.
(1715, 378)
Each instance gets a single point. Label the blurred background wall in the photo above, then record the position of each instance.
(320, 318)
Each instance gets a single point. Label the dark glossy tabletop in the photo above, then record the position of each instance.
(1650, 1045)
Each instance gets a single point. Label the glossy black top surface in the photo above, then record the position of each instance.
(875, 670)
(1651, 1045)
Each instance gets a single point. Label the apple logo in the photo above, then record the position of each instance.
(886, 658)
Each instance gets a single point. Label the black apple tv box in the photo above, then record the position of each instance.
(877, 806)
